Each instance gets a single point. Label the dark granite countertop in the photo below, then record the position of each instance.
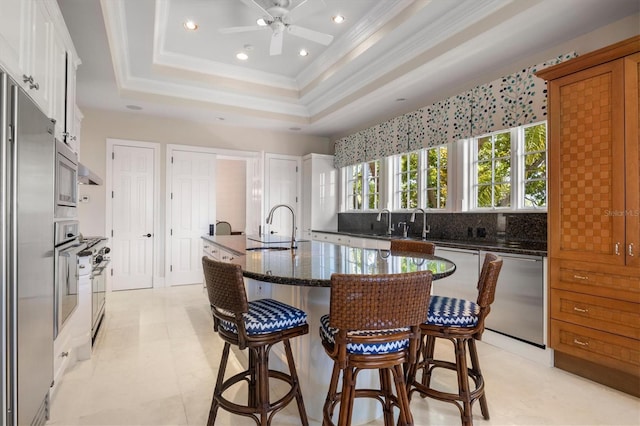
(530, 248)
(313, 262)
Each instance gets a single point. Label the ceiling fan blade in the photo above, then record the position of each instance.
(232, 30)
(277, 39)
(316, 36)
(305, 8)
(257, 8)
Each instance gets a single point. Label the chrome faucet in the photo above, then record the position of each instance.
(405, 228)
(293, 222)
(389, 225)
(425, 229)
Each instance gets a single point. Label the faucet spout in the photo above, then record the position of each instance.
(293, 221)
(425, 229)
(389, 225)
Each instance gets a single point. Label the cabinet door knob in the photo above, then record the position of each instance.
(617, 249)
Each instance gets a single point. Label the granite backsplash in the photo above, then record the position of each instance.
(490, 227)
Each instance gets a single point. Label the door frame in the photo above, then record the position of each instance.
(221, 154)
(157, 280)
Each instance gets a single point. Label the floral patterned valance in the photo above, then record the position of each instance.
(511, 101)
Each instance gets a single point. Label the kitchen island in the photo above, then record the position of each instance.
(302, 278)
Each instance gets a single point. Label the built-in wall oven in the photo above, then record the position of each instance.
(67, 246)
(66, 182)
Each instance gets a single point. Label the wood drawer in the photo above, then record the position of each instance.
(610, 315)
(607, 349)
(596, 279)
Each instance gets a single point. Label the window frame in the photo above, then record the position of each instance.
(364, 178)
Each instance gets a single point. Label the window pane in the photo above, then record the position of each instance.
(503, 145)
(432, 200)
(535, 194)
(535, 166)
(484, 195)
(502, 170)
(484, 172)
(485, 149)
(535, 138)
(502, 195)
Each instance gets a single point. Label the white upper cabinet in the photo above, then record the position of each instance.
(12, 33)
(37, 52)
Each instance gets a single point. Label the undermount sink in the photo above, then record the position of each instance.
(266, 248)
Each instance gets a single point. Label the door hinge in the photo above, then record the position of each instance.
(172, 159)
(112, 232)
(172, 195)
(171, 232)
(113, 155)
(296, 169)
(170, 268)
(111, 271)
(111, 194)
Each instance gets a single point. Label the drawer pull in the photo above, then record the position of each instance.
(578, 342)
(630, 249)
(580, 277)
(617, 249)
(582, 311)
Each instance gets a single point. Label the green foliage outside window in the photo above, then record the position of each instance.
(408, 180)
(535, 166)
(493, 171)
(364, 186)
(436, 177)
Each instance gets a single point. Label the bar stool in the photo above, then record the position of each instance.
(256, 325)
(412, 246)
(461, 322)
(373, 323)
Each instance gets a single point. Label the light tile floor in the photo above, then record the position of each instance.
(156, 359)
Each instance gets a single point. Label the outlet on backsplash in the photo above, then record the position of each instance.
(481, 232)
(470, 232)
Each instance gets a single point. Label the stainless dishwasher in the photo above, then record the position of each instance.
(518, 309)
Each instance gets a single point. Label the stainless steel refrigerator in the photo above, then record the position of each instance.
(26, 245)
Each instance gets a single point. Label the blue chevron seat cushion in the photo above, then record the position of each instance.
(449, 311)
(327, 334)
(268, 316)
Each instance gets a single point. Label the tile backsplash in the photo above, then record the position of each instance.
(454, 226)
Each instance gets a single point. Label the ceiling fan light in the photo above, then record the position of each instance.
(242, 56)
(190, 25)
(303, 52)
(338, 19)
(261, 22)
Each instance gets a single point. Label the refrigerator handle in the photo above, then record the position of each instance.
(12, 267)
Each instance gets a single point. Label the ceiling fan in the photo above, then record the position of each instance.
(279, 19)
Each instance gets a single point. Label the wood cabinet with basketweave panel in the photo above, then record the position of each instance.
(594, 215)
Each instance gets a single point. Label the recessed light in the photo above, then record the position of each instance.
(303, 52)
(295, 129)
(220, 118)
(401, 99)
(134, 107)
(190, 25)
(261, 22)
(338, 19)
(242, 56)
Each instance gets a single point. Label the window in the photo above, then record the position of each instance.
(492, 168)
(406, 180)
(534, 165)
(510, 169)
(363, 186)
(434, 175)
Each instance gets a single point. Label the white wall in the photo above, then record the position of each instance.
(99, 125)
(231, 189)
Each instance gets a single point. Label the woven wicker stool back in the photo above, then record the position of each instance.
(374, 323)
(231, 314)
(462, 323)
(413, 246)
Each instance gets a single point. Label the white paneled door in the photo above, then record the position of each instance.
(281, 188)
(132, 238)
(193, 208)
